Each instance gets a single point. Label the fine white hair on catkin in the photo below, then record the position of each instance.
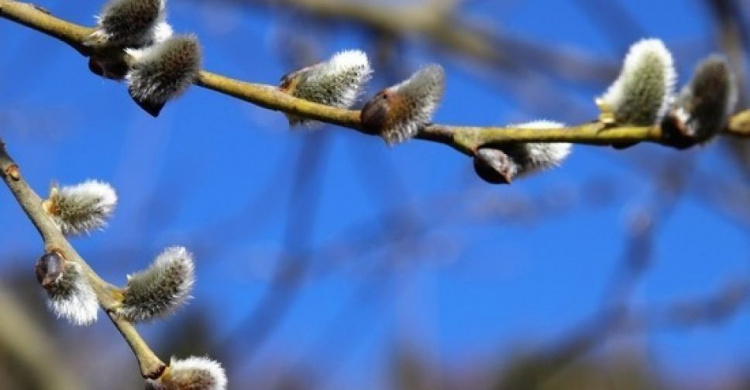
(420, 95)
(163, 71)
(542, 155)
(160, 289)
(81, 208)
(642, 92)
(706, 103)
(337, 82)
(129, 23)
(72, 297)
(191, 373)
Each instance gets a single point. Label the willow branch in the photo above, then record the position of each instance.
(150, 365)
(465, 139)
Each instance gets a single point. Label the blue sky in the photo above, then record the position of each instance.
(472, 289)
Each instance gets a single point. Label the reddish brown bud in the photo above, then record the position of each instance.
(374, 115)
(109, 65)
(494, 166)
(70, 295)
(49, 269)
(398, 112)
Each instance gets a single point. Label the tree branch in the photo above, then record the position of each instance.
(150, 365)
(464, 139)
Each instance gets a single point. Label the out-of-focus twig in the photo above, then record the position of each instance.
(733, 34)
(712, 309)
(292, 269)
(443, 27)
(615, 309)
(613, 20)
(22, 340)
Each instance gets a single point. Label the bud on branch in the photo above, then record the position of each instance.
(160, 289)
(163, 72)
(398, 112)
(336, 82)
(641, 94)
(81, 208)
(704, 106)
(70, 295)
(501, 163)
(129, 23)
(199, 373)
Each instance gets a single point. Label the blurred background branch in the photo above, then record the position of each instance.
(32, 357)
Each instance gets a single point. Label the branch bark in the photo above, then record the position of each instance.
(150, 365)
(465, 139)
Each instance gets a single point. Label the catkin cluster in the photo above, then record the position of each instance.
(396, 113)
(155, 292)
(162, 65)
(642, 95)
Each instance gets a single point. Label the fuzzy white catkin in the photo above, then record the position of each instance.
(161, 33)
(337, 82)
(398, 112)
(705, 104)
(641, 94)
(130, 23)
(191, 373)
(535, 156)
(72, 298)
(160, 289)
(423, 92)
(81, 208)
(163, 71)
